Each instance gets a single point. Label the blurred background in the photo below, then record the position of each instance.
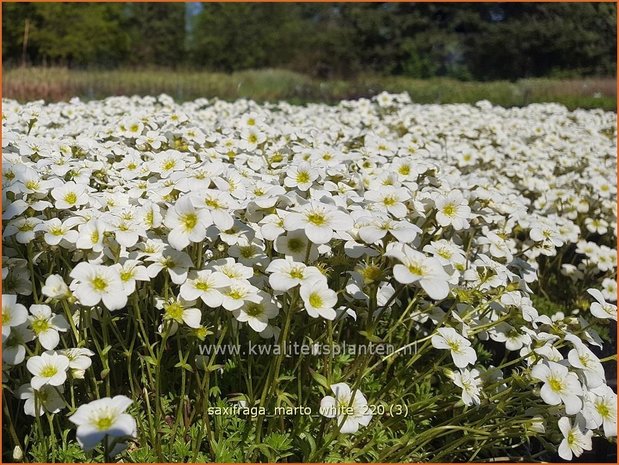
(508, 53)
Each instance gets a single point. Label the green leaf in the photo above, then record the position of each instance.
(320, 379)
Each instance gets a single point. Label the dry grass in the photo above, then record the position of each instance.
(59, 84)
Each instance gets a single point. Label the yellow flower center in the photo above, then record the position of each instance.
(302, 177)
(150, 218)
(571, 438)
(317, 219)
(32, 185)
(38, 326)
(445, 253)
(296, 273)
(189, 221)
(449, 209)
(247, 251)
(555, 384)
(404, 170)
(315, 300)
(212, 203)
(175, 311)
(254, 309)
(603, 410)
(296, 244)
(455, 346)
(416, 269)
(202, 285)
(389, 201)
(236, 294)
(48, 371)
(99, 283)
(103, 423)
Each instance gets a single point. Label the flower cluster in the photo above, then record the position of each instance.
(139, 224)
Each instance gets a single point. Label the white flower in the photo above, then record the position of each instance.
(546, 233)
(257, 314)
(57, 232)
(560, 385)
(79, 360)
(295, 244)
(46, 325)
(602, 309)
(47, 399)
(286, 273)
(47, 368)
(175, 262)
(219, 204)
(372, 230)
(206, 285)
(187, 223)
(582, 358)
(470, 382)
(301, 176)
(91, 235)
(452, 210)
(13, 314)
(609, 289)
(389, 199)
(55, 287)
(180, 311)
(416, 267)
(103, 417)
(232, 270)
(350, 408)
(319, 300)
(318, 220)
(14, 346)
(70, 195)
(601, 409)
(576, 438)
(460, 348)
(129, 272)
(239, 292)
(94, 283)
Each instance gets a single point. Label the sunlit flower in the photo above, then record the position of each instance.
(101, 418)
(46, 325)
(560, 385)
(460, 347)
(13, 314)
(349, 407)
(47, 369)
(95, 283)
(576, 439)
(318, 299)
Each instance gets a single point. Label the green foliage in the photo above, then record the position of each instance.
(477, 41)
(53, 84)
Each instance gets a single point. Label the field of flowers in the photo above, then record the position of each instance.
(371, 281)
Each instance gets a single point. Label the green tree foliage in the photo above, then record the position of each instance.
(480, 41)
(243, 35)
(70, 33)
(157, 34)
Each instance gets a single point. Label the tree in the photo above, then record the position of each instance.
(157, 34)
